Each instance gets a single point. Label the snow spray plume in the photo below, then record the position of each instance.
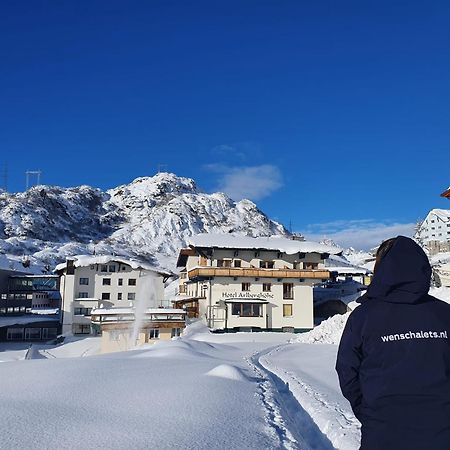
(145, 298)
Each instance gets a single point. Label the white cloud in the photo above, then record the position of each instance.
(241, 151)
(360, 234)
(251, 182)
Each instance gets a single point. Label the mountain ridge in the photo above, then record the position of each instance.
(150, 218)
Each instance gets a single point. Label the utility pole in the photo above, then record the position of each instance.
(162, 168)
(4, 177)
(30, 173)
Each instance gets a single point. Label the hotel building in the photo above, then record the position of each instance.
(242, 283)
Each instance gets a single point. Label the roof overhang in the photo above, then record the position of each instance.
(446, 193)
(183, 256)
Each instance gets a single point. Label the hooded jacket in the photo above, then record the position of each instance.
(393, 360)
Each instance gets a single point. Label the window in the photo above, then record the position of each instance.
(83, 295)
(119, 296)
(82, 311)
(246, 310)
(288, 290)
(183, 275)
(49, 333)
(14, 334)
(120, 282)
(310, 265)
(106, 296)
(84, 281)
(153, 333)
(224, 263)
(104, 268)
(182, 289)
(106, 281)
(32, 333)
(132, 282)
(81, 329)
(267, 287)
(287, 310)
(237, 263)
(112, 268)
(245, 286)
(131, 296)
(266, 264)
(176, 332)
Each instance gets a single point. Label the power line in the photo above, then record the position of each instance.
(4, 177)
(31, 173)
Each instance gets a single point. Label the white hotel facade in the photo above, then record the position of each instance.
(434, 231)
(91, 282)
(242, 283)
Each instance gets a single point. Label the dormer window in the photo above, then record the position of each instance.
(266, 264)
(224, 263)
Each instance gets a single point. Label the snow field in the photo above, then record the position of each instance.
(309, 374)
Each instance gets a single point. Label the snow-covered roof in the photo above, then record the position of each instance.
(276, 243)
(443, 214)
(341, 265)
(114, 311)
(27, 275)
(28, 318)
(446, 193)
(44, 311)
(87, 260)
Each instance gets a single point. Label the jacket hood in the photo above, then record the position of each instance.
(403, 275)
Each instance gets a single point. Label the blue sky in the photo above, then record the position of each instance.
(333, 116)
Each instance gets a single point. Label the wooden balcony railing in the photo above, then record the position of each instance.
(257, 273)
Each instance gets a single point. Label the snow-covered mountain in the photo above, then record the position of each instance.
(151, 218)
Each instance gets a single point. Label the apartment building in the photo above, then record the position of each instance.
(91, 282)
(244, 283)
(434, 231)
(29, 306)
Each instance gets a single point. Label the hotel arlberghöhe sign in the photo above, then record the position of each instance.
(247, 295)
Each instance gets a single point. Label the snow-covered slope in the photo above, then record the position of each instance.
(149, 218)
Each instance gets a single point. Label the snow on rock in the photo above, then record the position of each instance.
(150, 218)
(227, 371)
(328, 332)
(358, 257)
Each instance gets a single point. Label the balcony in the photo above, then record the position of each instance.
(206, 272)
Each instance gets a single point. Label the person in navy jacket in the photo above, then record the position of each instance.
(393, 360)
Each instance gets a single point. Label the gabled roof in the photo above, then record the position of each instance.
(442, 214)
(275, 243)
(446, 193)
(87, 260)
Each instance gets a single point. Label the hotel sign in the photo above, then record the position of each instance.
(247, 295)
